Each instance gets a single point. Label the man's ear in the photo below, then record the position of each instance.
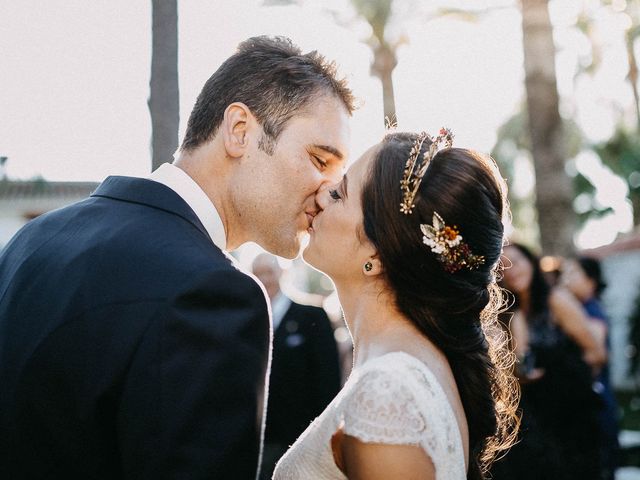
(236, 123)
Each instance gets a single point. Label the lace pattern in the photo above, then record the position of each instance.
(393, 399)
(382, 409)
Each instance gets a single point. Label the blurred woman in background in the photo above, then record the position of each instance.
(583, 278)
(559, 352)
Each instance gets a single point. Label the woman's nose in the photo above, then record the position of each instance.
(322, 196)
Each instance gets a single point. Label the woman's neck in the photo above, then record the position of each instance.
(376, 325)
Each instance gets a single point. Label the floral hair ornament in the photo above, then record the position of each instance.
(446, 242)
(413, 173)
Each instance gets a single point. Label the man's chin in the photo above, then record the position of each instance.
(288, 249)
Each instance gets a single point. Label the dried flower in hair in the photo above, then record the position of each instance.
(446, 242)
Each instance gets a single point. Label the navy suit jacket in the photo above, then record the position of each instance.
(130, 346)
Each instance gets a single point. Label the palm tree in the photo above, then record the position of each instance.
(553, 191)
(164, 93)
(377, 14)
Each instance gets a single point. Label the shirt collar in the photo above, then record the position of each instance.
(279, 306)
(180, 182)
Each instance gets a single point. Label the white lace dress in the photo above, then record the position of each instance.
(392, 399)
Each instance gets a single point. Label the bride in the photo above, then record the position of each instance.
(412, 238)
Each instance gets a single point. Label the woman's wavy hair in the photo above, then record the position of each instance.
(457, 311)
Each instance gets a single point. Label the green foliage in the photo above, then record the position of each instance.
(583, 188)
(621, 153)
(514, 143)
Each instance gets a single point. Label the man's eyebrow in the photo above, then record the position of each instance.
(330, 150)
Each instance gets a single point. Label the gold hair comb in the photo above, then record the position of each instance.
(412, 178)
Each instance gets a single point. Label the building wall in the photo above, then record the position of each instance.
(16, 212)
(622, 273)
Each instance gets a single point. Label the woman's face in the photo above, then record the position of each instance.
(577, 281)
(518, 276)
(337, 243)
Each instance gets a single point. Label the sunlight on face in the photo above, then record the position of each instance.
(334, 245)
(276, 194)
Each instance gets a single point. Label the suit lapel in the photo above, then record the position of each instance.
(149, 193)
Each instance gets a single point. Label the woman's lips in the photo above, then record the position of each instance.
(311, 218)
(311, 226)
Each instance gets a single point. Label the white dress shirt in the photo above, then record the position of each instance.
(180, 182)
(279, 306)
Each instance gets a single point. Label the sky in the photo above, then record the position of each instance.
(75, 77)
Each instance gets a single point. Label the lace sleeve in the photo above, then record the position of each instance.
(381, 408)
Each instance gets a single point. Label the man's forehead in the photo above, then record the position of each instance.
(329, 118)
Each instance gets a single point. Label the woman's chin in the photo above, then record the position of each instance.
(307, 255)
(310, 258)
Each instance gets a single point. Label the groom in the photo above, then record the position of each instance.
(131, 346)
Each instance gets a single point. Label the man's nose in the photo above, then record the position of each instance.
(332, 175)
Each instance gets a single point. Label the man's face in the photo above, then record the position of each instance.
(335, 247)
(276, 199)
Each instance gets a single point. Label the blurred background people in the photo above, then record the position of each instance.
(583, 278)
(559, 353)
(305, 369)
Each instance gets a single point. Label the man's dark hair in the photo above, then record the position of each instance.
(274, 79)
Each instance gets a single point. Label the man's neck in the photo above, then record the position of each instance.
(201, 167)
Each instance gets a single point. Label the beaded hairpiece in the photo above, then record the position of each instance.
(446, 242)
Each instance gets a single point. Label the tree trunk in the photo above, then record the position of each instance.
(634, 196)
(377, 13)
(554, 194)
(164, 93)
(384, 61)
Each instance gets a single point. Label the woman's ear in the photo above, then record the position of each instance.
(373, 266)
(236, 122)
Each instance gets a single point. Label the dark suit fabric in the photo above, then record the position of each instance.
(130, 346)
(305, 373)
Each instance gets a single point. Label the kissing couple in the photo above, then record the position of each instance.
(133, 346)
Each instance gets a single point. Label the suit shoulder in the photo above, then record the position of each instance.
(229, 274)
